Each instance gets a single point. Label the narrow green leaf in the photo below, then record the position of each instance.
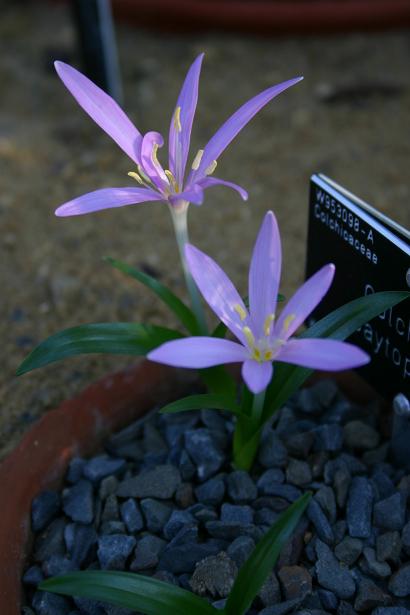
(197, 402)
(338, 325)
(112, 338)
(257, 567)
(130, 591)
(180, 309)
(218, 380)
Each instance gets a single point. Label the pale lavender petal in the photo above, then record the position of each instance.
(193, 195)
(208, 182)
(329, 355)
(198, 352)
(179, 139)
(102, 109)
(153, 140)
(228, 131)
(264, 273)
(217, 289)
(304, 301)
(257, 375)
(105, 199)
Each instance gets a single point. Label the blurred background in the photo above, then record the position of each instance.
(349, 119)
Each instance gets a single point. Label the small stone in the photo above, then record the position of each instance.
(283, 608)
(108, 486)
(43, 509)
(391, 610)
(46, 603)
(322, 526)
(84, 543)
(184, 495)
(399, 583)
(186, 467)
(241, 488)
(131, 515)
(328, 599)
(390, 514)
(147, 553)
(328, 437)
(288, 492)
(240, 549)
(153, 440)
(203, 513)
(78, 502)
(326, 498)
(99, 467)
(274, 475)
(272, 453)
(405, 537)
(292, 550)
(204, 452)
(339, 530)
(349, 550)
(265, 517)
(299, 444)
(359, 508)
(188, 533)
(296, 582)
(214, 576)
(345, 608)
(383, 484)
(370, 596)
(89, 607)
(156, 514)
(371, 566)
(167, 577)
(75, 469)
(331, 575)
(269, 594)
(33, 576)
(298, 472)
(388, 547)
(177, 520)
(50, 541)
(114, 550)
(112, 527)
(325, 392)
(58, 564)
(159, 482)
(183, 558)
(308, 402)
(341, 482)
(111, 510)
(360, 436)
(231, 514)
(211, 491)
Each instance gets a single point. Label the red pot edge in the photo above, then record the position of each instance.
(40, 460)
(315, 16)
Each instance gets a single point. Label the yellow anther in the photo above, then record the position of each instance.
(267, 324)
(172, 180)
(154, 153)
(135, 176)
(250, 338)
(197, 160)
(211, 168)
(177, 119)
(256, 354)
(240, 310)
(268, 356)
(288, 321)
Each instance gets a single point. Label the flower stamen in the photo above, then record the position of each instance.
(288, 321)
(250, 338)
(240, 311)
(173, 182)
(197, 160)
(267, 324)
(135, 176)
(211, 168)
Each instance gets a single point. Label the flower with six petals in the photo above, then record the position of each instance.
(262, 338)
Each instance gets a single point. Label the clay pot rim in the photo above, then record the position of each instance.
(40, 460)
(266, 17)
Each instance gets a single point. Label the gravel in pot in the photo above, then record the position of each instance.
(163, 500)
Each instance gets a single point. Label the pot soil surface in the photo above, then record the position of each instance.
(162, 499)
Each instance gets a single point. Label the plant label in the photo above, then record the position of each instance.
(371, 253)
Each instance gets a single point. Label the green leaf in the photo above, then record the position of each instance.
(257, 567)
(180, 309)
(338, 325)
(113, 338)
(130, 591)
(197, 402)
(218, 380)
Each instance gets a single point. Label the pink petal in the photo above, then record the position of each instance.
(304, 301)
(228, 131)
(179, 140)
(208, 182)
(198, 352)
(105, 199)
(329, 355)
(102, 109)
(217, 289)
(264, 273)
(257, 375)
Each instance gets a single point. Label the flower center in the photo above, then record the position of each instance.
(265, 348)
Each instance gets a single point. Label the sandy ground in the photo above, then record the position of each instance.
(348, 119)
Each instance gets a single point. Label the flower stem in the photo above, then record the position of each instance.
(179, 215)
(257, 407)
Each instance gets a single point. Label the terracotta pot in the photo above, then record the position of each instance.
(78, 427)
(266, 16)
